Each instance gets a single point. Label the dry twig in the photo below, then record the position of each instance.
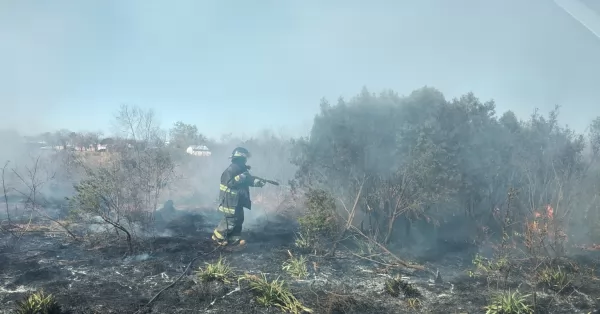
(189, 265)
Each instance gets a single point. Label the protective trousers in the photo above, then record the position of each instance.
(230, 227)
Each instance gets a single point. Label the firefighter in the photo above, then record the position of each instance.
(234, 196)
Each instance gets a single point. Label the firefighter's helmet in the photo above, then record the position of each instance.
(240, 152)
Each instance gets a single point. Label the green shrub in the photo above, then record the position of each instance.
(555, 278)
(509, 303)
(319, 223)
(218, 271)
(274, 293)
(38, 303)
(296, 267)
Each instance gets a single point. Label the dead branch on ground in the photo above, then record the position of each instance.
(350, 226)
(350, 217)
(189, 265)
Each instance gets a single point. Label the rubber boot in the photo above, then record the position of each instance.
(219, 241)
(236, 244)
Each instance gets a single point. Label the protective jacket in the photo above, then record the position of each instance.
(234, 189)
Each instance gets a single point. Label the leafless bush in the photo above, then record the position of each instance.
(6, 225)
(124, 190)
(32, 212)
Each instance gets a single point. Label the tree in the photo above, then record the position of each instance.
(358, 141)
(73, 138)
(594, 137)
(422, 158)
(93, 139)
(48, 138)
(183, 135)
(61, 138)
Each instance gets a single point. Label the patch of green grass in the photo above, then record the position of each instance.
(392, 287)
(296, 267)
(487, 265)
(38, 303)
(274, 293)
(509, 303)
(302, 241)
(554, 278)
(218, 271)
(413, 303)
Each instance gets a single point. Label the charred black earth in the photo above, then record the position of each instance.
(99, 278)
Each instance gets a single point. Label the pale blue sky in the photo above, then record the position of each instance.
(267, 63)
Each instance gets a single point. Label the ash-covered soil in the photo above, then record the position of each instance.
(99, 279)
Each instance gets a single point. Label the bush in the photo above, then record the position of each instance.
(38, 303)
(274, 293)
(394, 286)
(124, 190)
(296, 267)
(509, 303)
(319, 224)
(555, 278)
(219, 271)
(488, 266)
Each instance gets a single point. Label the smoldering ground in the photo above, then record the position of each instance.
(96, 278)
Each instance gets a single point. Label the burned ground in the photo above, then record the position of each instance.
(101, 279)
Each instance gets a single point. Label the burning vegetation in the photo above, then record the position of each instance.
(393, 205)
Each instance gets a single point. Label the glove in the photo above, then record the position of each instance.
(243, 177)
(259, 183)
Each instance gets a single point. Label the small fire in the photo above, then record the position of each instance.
(534, 226)
(549, 211)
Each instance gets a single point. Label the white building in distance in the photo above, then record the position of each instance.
(198, 150)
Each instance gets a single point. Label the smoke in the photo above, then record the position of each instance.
(12, 147)
(198, 185)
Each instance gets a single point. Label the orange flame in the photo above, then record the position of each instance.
(549, 211)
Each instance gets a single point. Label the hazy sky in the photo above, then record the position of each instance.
(242, 66)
